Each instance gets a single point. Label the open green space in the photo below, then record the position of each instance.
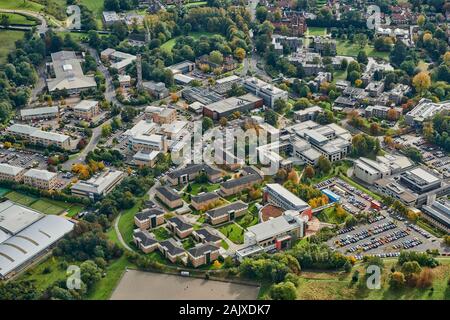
(96, 7)
(338, 167)
(8, 40)
(44, 205)
(347, 48)
(233, 232)
(329, 215)
(15, 18)
(338, 286)
(21, 198)
(168, 45)
(161, 234)
(196, 187)
(126, 221)
(317, 31)
(22, 5)
(46, 273)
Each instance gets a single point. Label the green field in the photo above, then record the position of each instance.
(15, 18)
(338, 286)
(8, 39)
(126, 222)
(168, 45)
(45, 273)
(96, 6)
(209, 186)
(328, 215)
(47, 206)
(346, 48)
(233, 232)
(316, 31)
(21, 5)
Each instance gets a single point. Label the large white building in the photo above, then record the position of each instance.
(26, 234)
(369, 170)
(41, 179)
(99, 185)
(268, 92)
(11, 173)
(425, 110)
(39, 137)
(39, 113)
(279, 196)
(68, 74)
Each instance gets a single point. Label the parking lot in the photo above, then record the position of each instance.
(383, 236)
(353, 200)
(23, 158)
(433, 156)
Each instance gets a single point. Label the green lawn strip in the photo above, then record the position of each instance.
(161, 233)
(16, 18)
(224, 244)
(233, 232)
(360, 187)
(21, 198)
(21, 5)
(103, 289)
(209, 187)
(328, 215)
(8, 40)
(96, 7)
(431, 229)
(346, 48)
(46, 207)
(126, 221)
(317, 31)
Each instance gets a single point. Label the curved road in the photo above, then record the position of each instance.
(42, 28)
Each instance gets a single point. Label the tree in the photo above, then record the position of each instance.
(261, 13)
(293, 176)
(90, 272)
(360, 39)
(411, 267)
(271, 117)
(239, 54)
(216, 57)
(421, 20)
(309, 172)
(4, 21)
(362, 57)
(397, 280)
(283, 291)
(106, 130)
(324, 164)
(374, 129)
(223, 121)
(399, 53)
(207, 124)
(392, 114)
(421, 82)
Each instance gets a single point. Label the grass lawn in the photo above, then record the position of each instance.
(15, 18)
(161, 233)
(209, 187)
(329, 216)
(21, 5)
(45, 273)
(338, 286)
(47, 207)
(316, 31)
(21, 198)
(8, 39)
(337, 167)
(346, 48)
(96, 6)
(104, 288)
(224, 244)
(126, 222)
(168, 45)
(233, 232)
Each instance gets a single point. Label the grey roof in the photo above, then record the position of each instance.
(9, 169)
(202, 249)
(38, 111)
(192, 168)
(204, 197)
(241, 181)
(14, 218)
(98, 184)
(148, 213)
(144, 238)
(224, 210)
(168, 193)
(439, 210)
(207, 236)
(171, 246)
(85, 105)
(180, 223)
(40, 174)
(22, 247)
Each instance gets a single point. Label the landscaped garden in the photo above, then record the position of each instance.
(233, 232)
